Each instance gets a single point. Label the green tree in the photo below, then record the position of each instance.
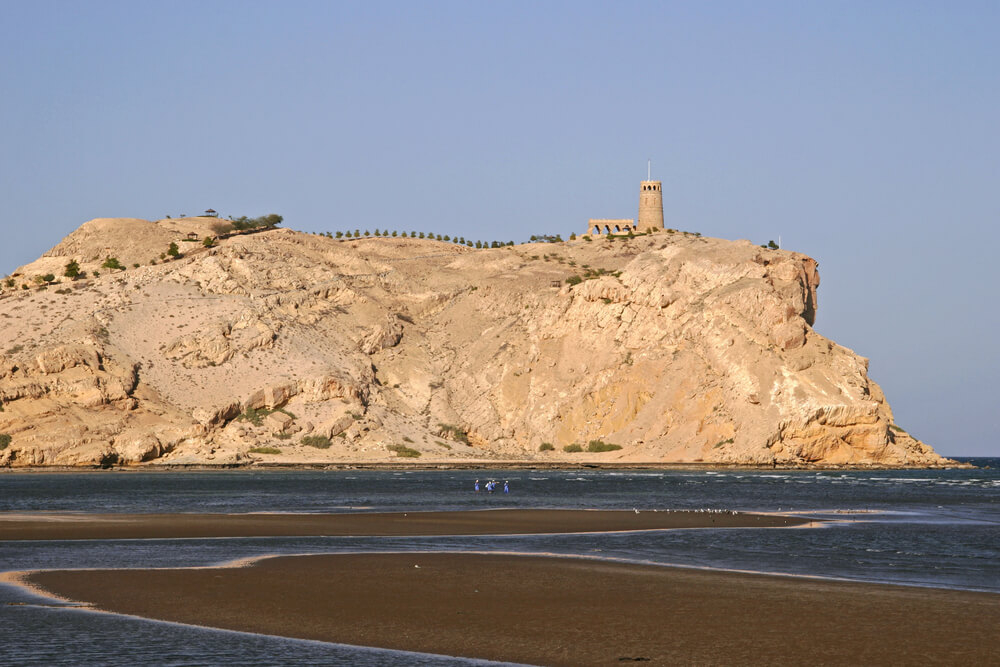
(269, 221)
(112, 263)
(339, 234)
(208, 242)
(173, 250)
(367, 233)
(9, 282)
(72, 270)
(572, 236)
(377, 232)
(479, 244)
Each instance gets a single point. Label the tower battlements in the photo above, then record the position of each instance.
(650, 206)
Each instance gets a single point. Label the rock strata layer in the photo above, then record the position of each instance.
(284, 346)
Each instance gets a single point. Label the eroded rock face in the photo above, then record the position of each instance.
(675, 347)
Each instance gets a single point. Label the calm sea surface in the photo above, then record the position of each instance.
(926, 528)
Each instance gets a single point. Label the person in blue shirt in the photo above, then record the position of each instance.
(477, 486)
(506, 486)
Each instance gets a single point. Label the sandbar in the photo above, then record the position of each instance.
(555, 610)
(69, 526)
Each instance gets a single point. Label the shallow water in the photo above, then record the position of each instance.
(930, 528)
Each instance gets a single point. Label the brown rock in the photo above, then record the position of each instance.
(678, 348)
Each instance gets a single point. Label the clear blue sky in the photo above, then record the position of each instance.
(865, 134)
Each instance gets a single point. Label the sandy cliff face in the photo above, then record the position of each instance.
(677, 348)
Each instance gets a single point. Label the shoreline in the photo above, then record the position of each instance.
(70, 526)
(551, 610)
(468, 465)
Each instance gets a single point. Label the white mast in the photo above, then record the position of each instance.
(648, 167)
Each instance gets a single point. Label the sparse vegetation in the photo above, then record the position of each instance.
(112, 263)
(600, 446)
(720, 443)
(574, 280)
(256, 415)
(269, 221)
(264, 450)
(403, 451)
(10, 282)
(4, 440)
(454, 432)
(897, 429)
(317, 441)
(546, 447)
(173, 250)
(72, 270)
(208, 242)
(572, 449)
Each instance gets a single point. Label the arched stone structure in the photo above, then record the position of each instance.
(650, 213)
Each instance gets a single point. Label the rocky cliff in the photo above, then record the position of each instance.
(285, 346)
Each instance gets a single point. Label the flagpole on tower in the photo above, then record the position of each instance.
(649, 164)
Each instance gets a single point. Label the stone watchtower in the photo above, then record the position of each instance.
(650, 206)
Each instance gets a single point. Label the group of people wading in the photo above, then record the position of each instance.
(491, 486)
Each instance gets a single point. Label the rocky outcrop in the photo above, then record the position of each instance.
(674, 347)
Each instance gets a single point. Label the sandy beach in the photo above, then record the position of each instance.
(556, 611)
(69, 526)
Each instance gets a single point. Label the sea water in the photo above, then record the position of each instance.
(937, 528)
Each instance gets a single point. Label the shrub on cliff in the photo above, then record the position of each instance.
(269, 221)
(173, 250)
(4, 440)
(599, 446)
(72, 270)
(317, 441)
(546, 447)
(264, 450)
(454, 432)
(112, 263)
(572, 449)
(403, 451)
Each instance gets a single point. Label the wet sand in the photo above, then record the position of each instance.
(45, 526)
(556, 611)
